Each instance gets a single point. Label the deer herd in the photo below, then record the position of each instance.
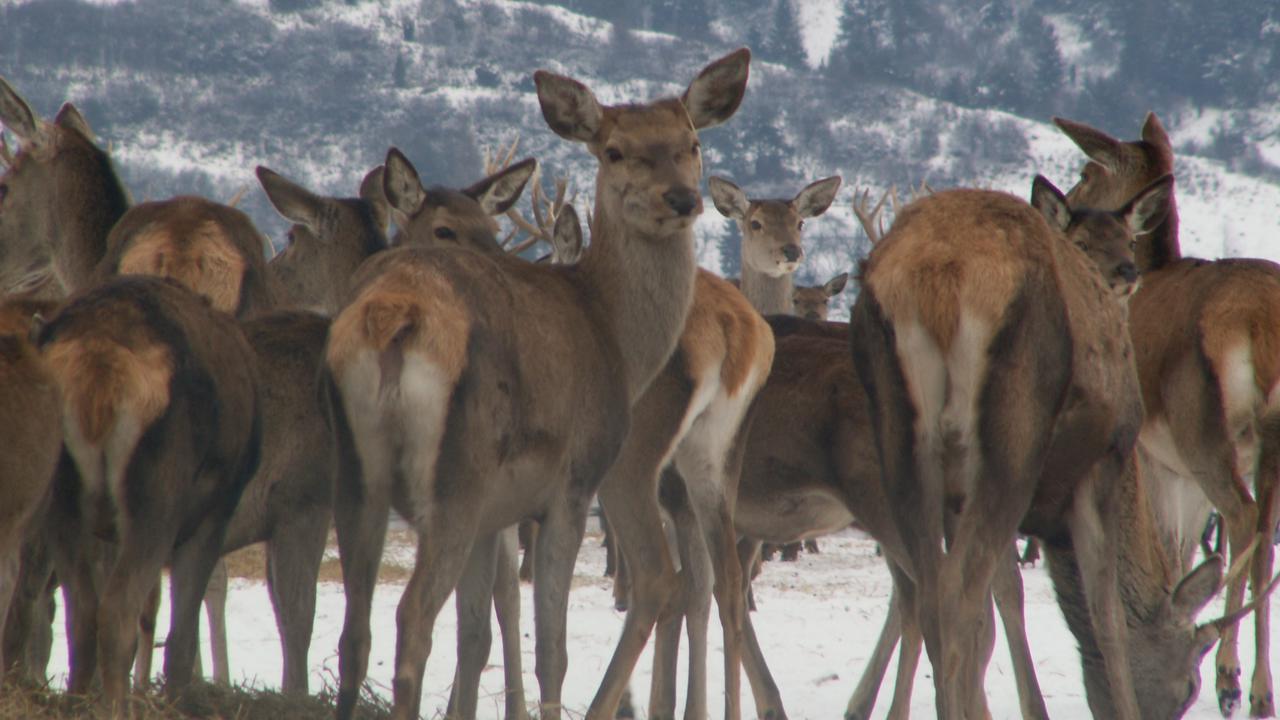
(1052, 367)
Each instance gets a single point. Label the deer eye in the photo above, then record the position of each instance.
(445, 233)
(755, 225)
(613, 154)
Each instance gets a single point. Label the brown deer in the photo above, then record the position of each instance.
(31, 425)
(811, 302)
(161, 435)
(1003, 394)
(770, 230)
(1207, 338)
(441, 217)
(59, 197)
(477, 389)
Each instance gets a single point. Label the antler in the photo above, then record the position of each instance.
(545, 210)
(235, 199)
(870, 218)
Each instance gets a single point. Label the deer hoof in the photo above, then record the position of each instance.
(1262, 706)
(1228, 701)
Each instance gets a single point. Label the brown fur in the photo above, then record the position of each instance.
(102, 380)
(722, 329)
(1187, 318)
(212, 249)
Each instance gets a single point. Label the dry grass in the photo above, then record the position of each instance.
(203, 700)
(250, 563)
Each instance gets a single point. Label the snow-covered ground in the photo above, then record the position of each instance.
(818, 620)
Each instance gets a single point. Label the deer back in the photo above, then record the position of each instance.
(59, 197)
(211, 248)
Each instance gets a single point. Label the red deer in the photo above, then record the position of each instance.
(477, 389)
(770, 230)
(1207, 338)
(31, 425)
(1004, 395)
(161, 434)
(811, 302)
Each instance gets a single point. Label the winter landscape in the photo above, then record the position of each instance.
(190, 99)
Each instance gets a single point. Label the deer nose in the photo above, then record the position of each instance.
(682, 200)
(1128, 271)
(791, 252)
(811, 315)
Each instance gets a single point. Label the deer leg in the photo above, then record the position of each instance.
(558, 541)
(1006, 588)
(191, 570)
(28, 635)
(697, 571)
(506, 604)
(1240, 522)
(1261, 698)
(137, 564)
(863, 700)
(294, 554)
(80, 593)
(215, 606)
(528, 539)
(909, 646)
(474, 601)
(763, 687)
(146, 639)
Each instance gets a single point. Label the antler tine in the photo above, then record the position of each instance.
(872, 223)
(235, 199)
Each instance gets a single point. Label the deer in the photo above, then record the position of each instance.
(1058, 476)
(770, 230)
(513, 380)
(811, 302)
(444, 217)
(31, 418)
(161, 434)
(1205, 333)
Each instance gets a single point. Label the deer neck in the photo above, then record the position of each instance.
(768, 295)
(645, 288)
(80, 228)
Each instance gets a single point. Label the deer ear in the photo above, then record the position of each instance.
(566, 237)
(16, 114)
(1196, 589)
(400, 184)
(498, 192)
(714, 96)
(728, 198)
(294, 202)
(371, 192)
(1150, 206)
(835, 285)
(1153, 131)
(816, 197)
(568, 106)
(1051, 203)
(1099, 146)
(69, 117)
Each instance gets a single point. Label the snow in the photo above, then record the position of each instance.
(819, 25)
(818, 621)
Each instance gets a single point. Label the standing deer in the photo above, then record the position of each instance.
(476, 389)
(31, 425)
(1003, 395)
(1207, 341)
(161, 433)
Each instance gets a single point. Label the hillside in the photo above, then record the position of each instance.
(191, 99)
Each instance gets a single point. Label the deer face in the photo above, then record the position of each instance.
(1117, 170)
(25, 220)
(811, 303)
(650, 160)
(771, 229)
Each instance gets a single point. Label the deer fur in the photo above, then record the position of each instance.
(151, 476)
(513, 380)
(1207, 338)
(60, 198)
(812, 302)
(971, 295)
(770, 230)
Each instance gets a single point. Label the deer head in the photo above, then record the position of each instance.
(811, 302)
(1107, 237)
(59, 196)
(650, 159)
(771, 228)
(440, 216)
